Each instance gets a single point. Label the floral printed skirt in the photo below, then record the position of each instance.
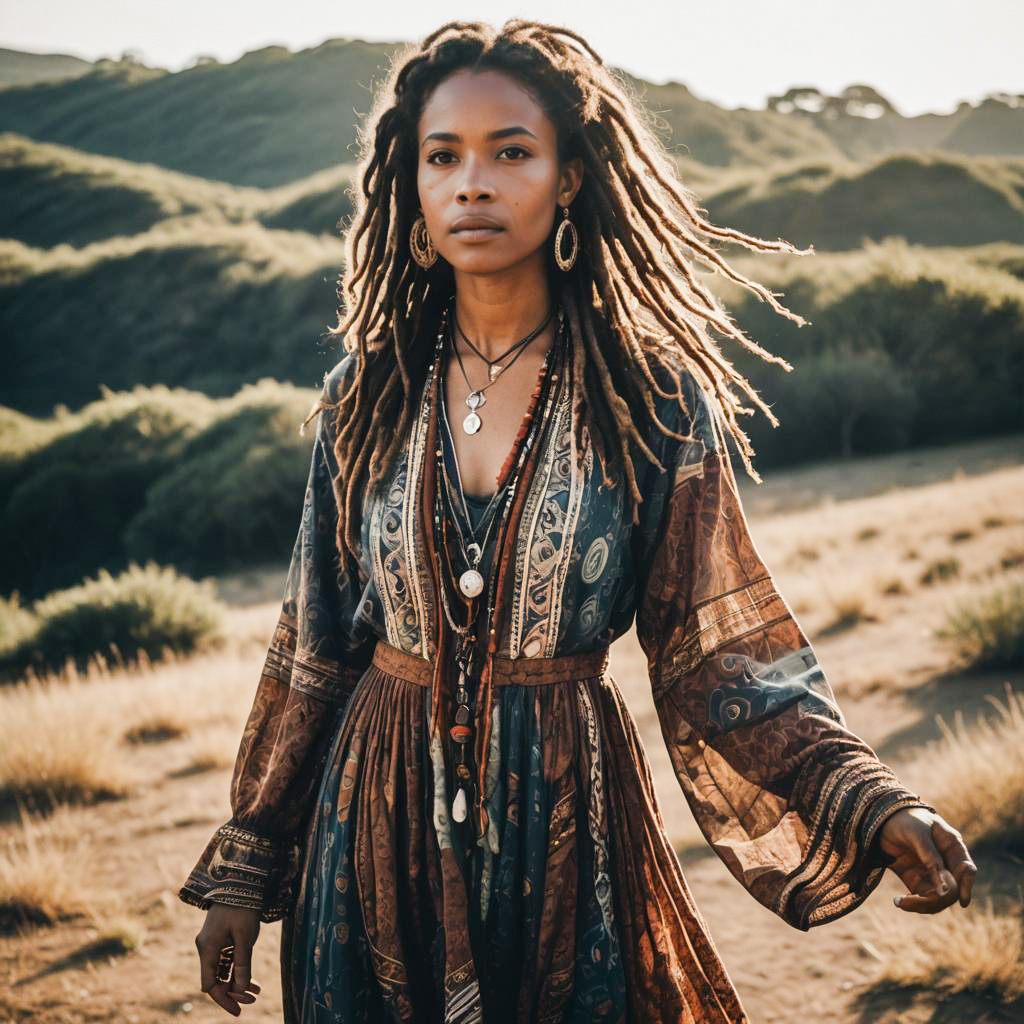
(580, 914)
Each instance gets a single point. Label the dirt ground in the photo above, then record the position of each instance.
(814, 528)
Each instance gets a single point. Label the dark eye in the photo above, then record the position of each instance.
(519, 148)
(439, 152)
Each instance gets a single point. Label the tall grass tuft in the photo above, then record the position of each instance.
(981, 952)
(975, 775)
(145, 611)
(41, 875)
(989, 634)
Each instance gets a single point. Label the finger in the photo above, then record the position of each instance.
(923, 898)
(220, 995)
(207, 965)
(956, 855)
(942, 881)
(967, 883)
(920, 903)
(242, 958)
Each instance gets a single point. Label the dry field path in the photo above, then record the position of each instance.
(842, 541)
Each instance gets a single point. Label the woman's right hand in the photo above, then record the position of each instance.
(228, 926)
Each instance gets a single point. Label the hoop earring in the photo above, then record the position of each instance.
(566, 263)
(424, 252)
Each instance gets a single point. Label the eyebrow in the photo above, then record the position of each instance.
(499, 133)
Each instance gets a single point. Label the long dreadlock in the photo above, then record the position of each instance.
(640, 304)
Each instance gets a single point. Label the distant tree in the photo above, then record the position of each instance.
(862, 394)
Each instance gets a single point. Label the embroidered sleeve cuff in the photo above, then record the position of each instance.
(243, 869)
(844, 865)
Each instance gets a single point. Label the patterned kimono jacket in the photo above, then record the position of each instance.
(562, 899)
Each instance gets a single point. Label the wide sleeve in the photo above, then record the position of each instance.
(788, 797)
(316, 656)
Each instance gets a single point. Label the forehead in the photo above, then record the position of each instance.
(474, 103)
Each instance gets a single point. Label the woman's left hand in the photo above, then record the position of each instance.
(930, 858)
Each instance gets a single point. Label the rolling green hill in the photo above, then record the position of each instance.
(20, 68)
(59, 195)
(182, 229)
(927, 198)
(192, 302)
(274, 116)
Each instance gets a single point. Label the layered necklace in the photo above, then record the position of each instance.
(495, 368)
(471, 584)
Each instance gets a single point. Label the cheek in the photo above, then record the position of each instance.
(534, 205)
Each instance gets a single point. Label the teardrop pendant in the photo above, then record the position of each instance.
(472, 423)
(459, 805)
(493, 370)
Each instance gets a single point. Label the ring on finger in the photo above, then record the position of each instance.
(225, 964)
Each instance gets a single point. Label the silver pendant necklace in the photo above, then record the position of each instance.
(495, 368)
(471, 581)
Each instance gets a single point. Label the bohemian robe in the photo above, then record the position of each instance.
(559, 898)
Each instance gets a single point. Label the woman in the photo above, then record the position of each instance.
(439, 787)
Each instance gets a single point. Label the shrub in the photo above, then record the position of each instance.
(235, 496)
(152, 474)
(69, 497)
(990, 633)
(150, 610)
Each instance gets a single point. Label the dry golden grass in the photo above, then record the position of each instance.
(211, 749)
(851, 601)
(61, 744)
(838, 563)
(156, 834)
(975, 774)
(978, 951)
(69, 739)
(42, 873)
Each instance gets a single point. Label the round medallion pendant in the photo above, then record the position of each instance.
(471, 583)
(471, 424)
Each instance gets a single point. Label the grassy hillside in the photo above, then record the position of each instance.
(274, 116)
(266, 119)
(152, 474)
(20, 68)
(60, 195)
(928, 198)
(864, 125)
(208, 305)
(906, 346)
(191, 302)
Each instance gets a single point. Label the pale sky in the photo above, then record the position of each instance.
(924, 55)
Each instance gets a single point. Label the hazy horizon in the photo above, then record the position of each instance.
(964, 53)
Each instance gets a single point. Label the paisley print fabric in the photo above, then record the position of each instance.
(564, 901)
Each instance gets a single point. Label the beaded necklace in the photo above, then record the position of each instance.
(472, 611)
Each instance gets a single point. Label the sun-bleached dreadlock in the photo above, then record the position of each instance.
(633, 282)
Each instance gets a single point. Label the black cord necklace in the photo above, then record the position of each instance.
(476, 398)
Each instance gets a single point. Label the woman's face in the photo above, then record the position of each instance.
(488, 150)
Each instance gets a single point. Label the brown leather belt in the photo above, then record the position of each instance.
(506, 671)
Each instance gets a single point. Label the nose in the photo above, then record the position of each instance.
(472, 185)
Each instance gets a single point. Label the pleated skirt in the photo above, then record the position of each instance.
(575, 910)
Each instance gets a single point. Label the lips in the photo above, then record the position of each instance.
(476, 225)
